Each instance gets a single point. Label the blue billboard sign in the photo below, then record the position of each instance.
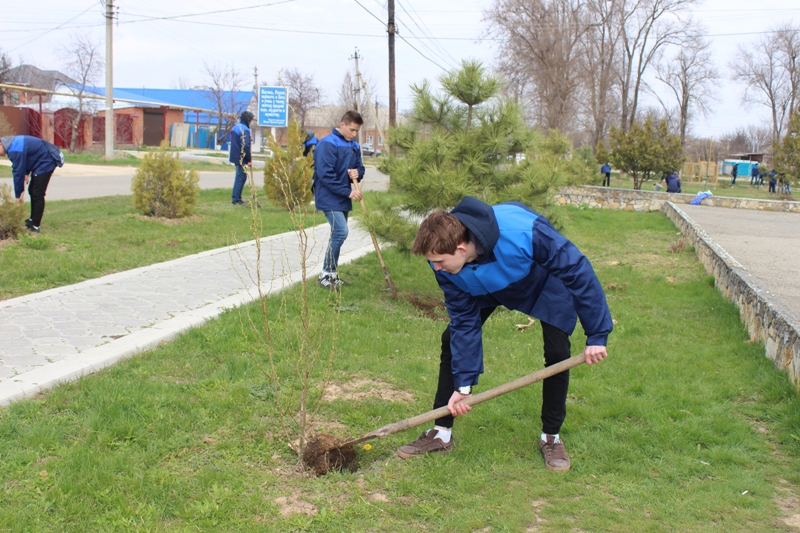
(273, 107)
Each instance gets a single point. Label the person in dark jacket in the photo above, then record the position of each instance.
(734, 173)
(773, 180)
(31, 156)
(754, 175)
(605, 170)
(485, 256)
(337, 163)
(309, 143)
(673, 182)
(240, 155)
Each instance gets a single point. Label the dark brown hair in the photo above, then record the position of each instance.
(352, 116)
(439, 233)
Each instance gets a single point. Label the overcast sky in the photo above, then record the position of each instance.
(161, 43)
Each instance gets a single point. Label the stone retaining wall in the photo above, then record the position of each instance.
(630, 200)
(764, 320)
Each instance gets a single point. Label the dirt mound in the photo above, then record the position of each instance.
(325, 453)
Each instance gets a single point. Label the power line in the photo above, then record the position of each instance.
(216, 12)
(401, 37)
(56, 28)
(423, 27)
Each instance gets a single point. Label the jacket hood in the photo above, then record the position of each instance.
(480, 220)
(6, 142)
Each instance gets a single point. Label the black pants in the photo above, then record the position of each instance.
(37, 189)
(554, 389)
(607, 179)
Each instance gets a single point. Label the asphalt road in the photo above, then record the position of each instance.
(72, 181)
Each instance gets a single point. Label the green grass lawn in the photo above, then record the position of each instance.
(86, 239)
(685, 427)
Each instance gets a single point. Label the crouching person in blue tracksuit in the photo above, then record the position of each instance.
(31, 156)
(485, 256)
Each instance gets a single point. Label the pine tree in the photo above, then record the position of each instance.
(468, 140)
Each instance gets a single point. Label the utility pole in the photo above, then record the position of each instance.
(109, 79)
(358, 92)
(390, 27)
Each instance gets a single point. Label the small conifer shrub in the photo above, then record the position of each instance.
(163, 188)
(12, 214)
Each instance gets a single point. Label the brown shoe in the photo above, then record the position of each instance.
(555, 456)
(428, 442)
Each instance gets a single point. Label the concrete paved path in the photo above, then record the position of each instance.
(61, 334)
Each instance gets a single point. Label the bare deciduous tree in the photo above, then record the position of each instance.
(600, 53)
(690, 76)
(771, 70)
(5, 66)
(83, 62)
(736, 142)
(223, 84)
(646, 27)
(304, 93)
(540, 42)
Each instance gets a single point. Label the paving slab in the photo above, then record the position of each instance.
(61, 334)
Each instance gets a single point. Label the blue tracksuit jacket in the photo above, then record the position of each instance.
(332, 158)
(28, 155)
(239, 136)
(524, 264)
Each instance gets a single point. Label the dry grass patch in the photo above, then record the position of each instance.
(362, 389)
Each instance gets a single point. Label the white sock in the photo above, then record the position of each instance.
(444, 433)
(544, 437)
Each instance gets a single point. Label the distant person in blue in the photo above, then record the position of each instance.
(35, 160)
(773, 180)
(240, 156)
(337, 163)
(734, 173)
(310, 143)
(605, 170)
(754, 175)
(673, 182)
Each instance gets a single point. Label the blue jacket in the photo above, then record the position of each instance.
(28, 155)
(332, 159)
(605, 169)
(526, 265)
(673, 183)
(239, 137)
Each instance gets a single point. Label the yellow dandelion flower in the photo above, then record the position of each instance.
(368, 447)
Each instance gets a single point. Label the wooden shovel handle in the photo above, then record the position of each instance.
(518, 383)
(377, 246)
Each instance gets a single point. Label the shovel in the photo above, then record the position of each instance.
(378, 249)
(430, 416)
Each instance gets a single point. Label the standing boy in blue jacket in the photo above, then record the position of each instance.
(240, 155)
(337, 163)
(37, 158)
(485, 256)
